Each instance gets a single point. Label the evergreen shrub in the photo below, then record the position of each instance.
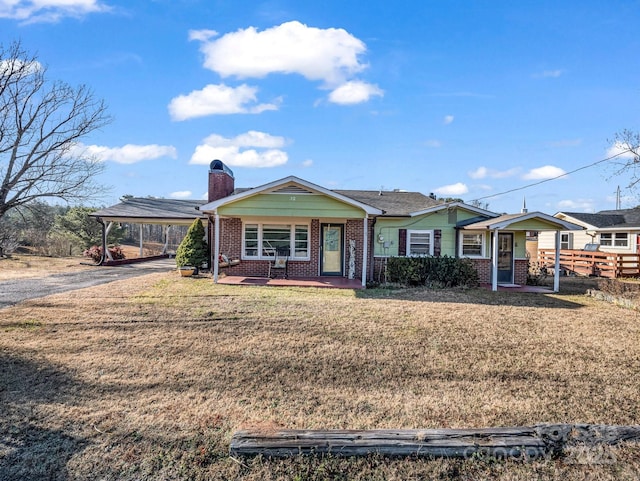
(429, 271)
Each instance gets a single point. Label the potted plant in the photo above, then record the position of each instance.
(192, 251)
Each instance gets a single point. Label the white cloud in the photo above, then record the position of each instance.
(251, 149)
(330, 55)
(217, 99)
(307, 163)
(202, 35)
(447, 119)
(483, 172)
(354, 92)
(544, 172)
(579, 205)
(549, 73)
(453, 189)
(479, 173)
(622, 150)
(34, 11)
(9, 67)
(127, 154)
(181, 194)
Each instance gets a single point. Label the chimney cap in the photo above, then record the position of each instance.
(219, 165)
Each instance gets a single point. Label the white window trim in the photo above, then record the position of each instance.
(292, 225)
(613, 240)
(569, 240)
(419, 231)
(483, 248)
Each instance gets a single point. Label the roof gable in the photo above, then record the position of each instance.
(286, 185)
(526, 221)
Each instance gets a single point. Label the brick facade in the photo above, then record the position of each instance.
(231, 246)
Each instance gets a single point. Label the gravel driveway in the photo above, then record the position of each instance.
(18, 290)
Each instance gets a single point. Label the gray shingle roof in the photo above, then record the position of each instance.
(150, 208)
(610, 218)
(393, 203)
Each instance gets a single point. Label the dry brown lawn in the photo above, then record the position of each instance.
(148, 378)
(24, 266)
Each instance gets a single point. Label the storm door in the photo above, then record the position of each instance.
(332, 247)
(505, 258)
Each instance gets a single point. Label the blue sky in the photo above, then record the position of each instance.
(466, 99)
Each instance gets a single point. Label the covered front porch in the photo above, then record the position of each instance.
(508, 262)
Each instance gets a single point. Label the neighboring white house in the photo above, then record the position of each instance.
(609, 230)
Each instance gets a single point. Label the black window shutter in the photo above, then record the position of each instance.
(437, 242)
(402, 242)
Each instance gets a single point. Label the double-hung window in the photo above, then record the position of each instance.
(472, 245)
(260, 241)
(419, 242)
(617, 239)
(566, 241)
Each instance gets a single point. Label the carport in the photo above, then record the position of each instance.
(148, 210)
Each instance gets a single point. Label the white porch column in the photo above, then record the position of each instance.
(140, 240)
(216, 247)
(365, 249)
(556, 277)
(106, 235)
(494, 261)
(165, 247)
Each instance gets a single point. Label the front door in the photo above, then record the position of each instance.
(332, 246)
(505, 258)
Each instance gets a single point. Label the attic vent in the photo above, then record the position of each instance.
(292, 189)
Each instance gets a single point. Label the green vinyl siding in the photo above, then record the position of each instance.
(291, 205)
(389, 228)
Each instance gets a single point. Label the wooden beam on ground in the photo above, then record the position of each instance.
(508, 442)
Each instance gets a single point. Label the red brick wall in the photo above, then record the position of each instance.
(521, 271)
(231, 245)
(221, 185)
(483, 266)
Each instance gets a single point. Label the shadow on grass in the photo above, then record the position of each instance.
(472, 296)
(27, 449)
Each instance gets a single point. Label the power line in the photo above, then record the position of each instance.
(553, 178)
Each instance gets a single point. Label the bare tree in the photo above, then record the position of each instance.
(41, 123)
(626, 144)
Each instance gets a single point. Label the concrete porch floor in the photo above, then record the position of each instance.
(331, 282)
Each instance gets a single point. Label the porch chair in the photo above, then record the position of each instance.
(279, 262)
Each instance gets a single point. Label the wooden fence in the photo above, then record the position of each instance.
(586, 263)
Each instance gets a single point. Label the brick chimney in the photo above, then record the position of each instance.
(221, 182)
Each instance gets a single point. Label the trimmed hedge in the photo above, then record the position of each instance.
(441, 271)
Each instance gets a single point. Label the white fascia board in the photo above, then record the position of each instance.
(212, 206)
(573, 220)
(460, 205)
(563, 225)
